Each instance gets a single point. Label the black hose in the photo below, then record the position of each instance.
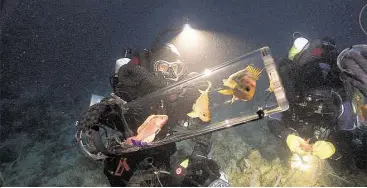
(113, 82)
(127, 76)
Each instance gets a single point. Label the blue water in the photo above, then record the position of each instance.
(55, 54)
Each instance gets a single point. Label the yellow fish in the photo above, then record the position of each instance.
(271, 86)
(242, 84)
(201, 106)
(361, 108)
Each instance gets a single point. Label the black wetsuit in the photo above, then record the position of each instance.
(135, 81)
(306, 79)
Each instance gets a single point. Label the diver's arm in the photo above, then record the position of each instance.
(356, 63)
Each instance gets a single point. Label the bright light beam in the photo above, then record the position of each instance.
(187, 28)
(302, 163)
(189, 35)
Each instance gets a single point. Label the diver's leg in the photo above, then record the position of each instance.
(110, 166)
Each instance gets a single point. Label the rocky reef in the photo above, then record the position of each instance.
(251, 156)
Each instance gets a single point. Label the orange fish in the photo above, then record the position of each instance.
(200, 108)
(149, 129)
(242, 84)
(363, 112)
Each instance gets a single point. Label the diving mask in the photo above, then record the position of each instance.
(170, 70)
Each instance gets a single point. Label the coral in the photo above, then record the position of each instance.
(266, 162)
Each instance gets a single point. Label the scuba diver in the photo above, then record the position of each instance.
(137, 75)
(168, 68)
(319, 103)
(310, 78)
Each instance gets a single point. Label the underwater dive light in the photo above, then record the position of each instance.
(186, 30)
(298, 45)
(123, 61)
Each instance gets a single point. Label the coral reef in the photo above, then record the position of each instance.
(40, 150)
(254, 158)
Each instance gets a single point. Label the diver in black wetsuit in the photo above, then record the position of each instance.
(145, 73)
(310, 80)
(319, 104)
(314, 91)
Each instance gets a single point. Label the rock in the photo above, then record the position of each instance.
(7, 155)
(244, 164)
(255, 179)
(269, 177)
(256, 158)
(263, 169)
(233, 165)
(276, 164)
(276, 161)
(237, 170)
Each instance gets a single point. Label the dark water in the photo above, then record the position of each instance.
(55, 54)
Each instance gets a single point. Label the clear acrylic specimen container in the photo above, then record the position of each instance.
(223, 114)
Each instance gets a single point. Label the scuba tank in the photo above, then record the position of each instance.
(123, 61)
(299, 43)
(119, 63)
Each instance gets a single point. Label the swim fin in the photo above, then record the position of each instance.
(323, 149)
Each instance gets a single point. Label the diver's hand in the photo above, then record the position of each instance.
(116, 100)
(356, 65)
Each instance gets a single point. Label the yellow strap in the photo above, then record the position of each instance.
(185, 163)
